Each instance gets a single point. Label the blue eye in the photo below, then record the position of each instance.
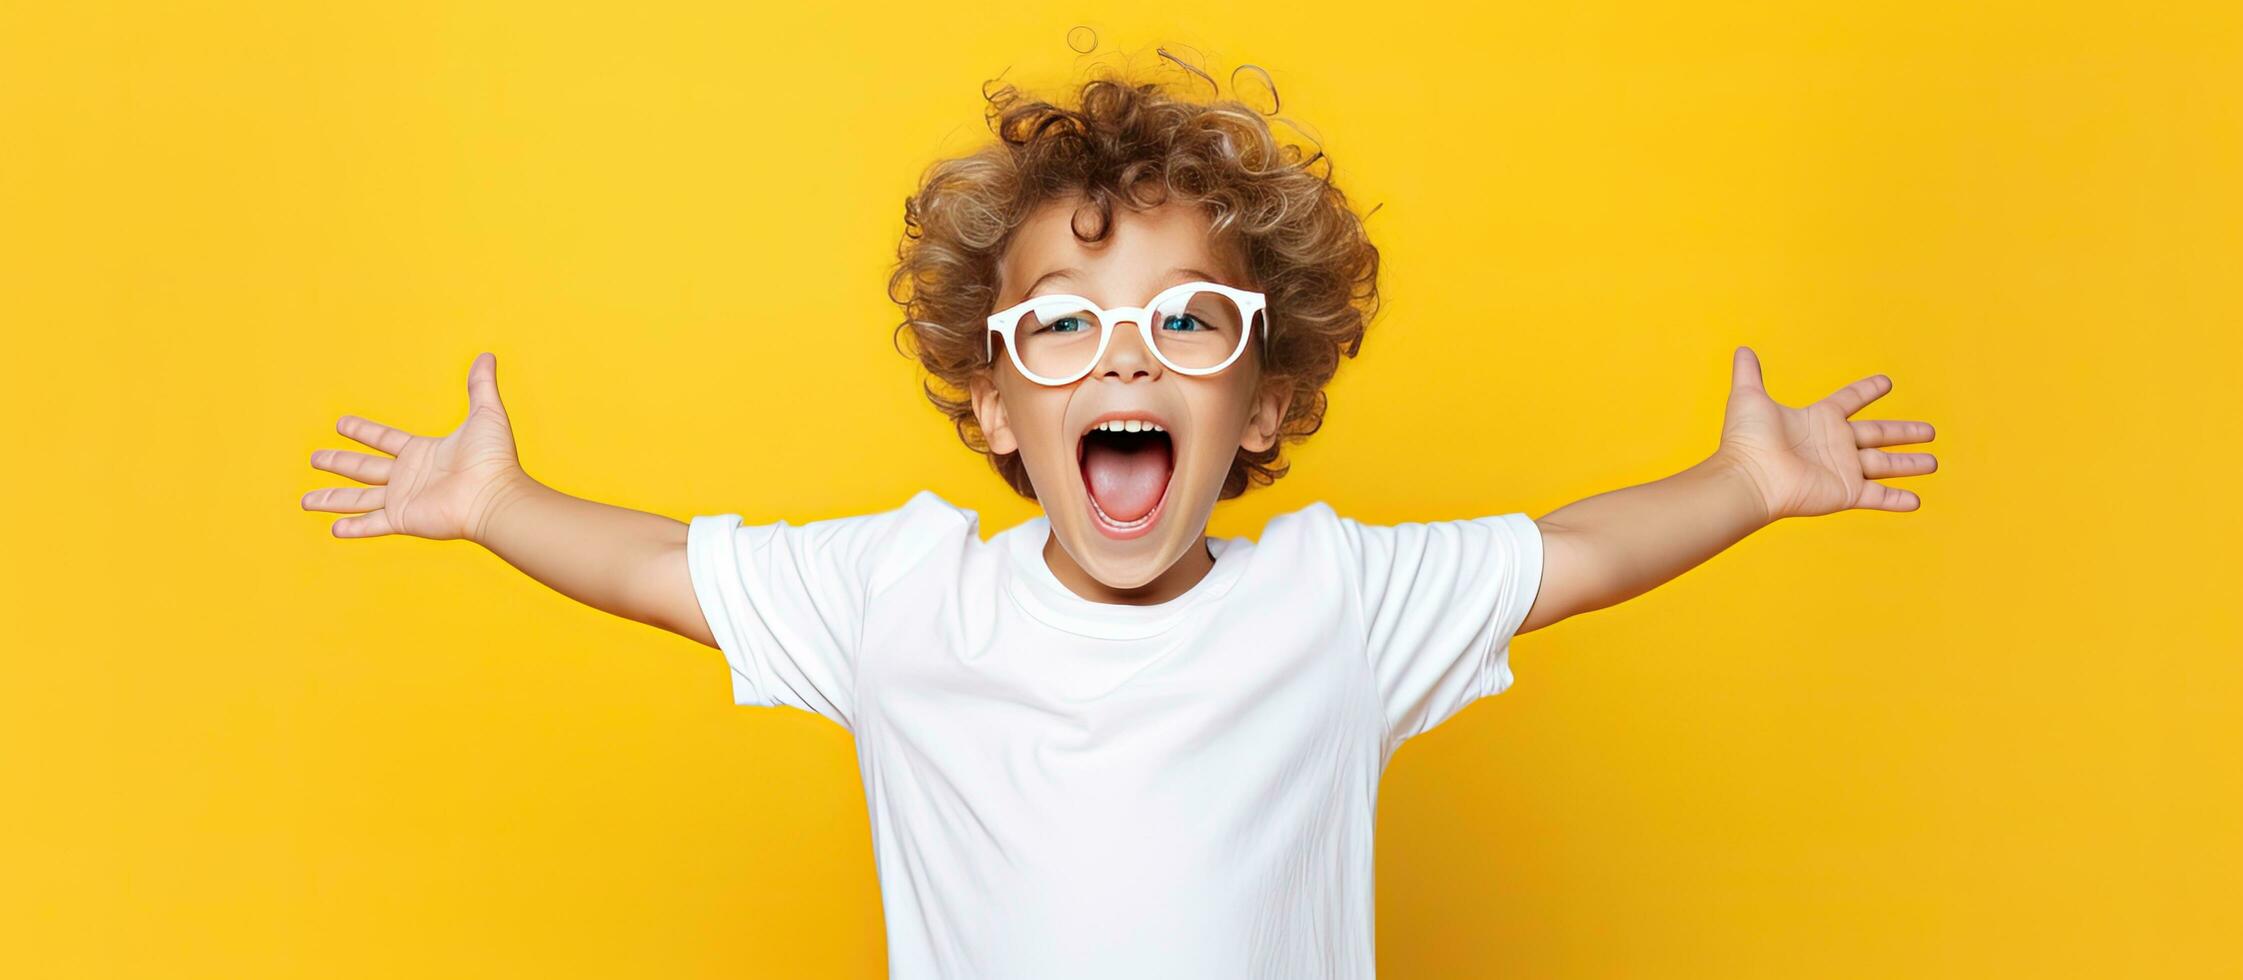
(1188, 318)
(1060, 325)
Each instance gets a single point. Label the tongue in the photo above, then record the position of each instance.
(1125, 476)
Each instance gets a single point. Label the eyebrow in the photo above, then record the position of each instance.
(1179, 274)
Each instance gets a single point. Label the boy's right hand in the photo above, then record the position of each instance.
(430, 487)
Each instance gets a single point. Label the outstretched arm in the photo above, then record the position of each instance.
(1774, 462)
(470, 484)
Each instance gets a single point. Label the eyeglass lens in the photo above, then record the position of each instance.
(1197, 329)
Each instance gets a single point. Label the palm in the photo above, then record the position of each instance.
(429, 486)
(1815, 460)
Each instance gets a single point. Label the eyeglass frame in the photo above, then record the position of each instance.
(1004, 323)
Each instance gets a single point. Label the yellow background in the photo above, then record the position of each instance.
(1998, 736)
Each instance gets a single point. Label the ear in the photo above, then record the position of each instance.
(1271, 399)
(989, 413)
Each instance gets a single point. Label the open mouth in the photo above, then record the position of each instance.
(1127, 475)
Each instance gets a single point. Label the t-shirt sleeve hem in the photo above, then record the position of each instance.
(1523, 539)
(713, 563)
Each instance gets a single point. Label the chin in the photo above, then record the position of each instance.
(1132, 562)
(1127, 557)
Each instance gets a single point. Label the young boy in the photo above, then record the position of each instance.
(1100, 743)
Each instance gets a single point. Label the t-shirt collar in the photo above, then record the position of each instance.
(1043, 596)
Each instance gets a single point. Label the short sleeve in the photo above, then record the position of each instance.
(786, 603)
(1440, 604)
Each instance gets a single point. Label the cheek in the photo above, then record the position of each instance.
(1222, 417)
(1035, 419)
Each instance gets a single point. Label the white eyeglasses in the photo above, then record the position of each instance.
(1196, 328)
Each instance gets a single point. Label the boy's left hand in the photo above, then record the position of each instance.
(1814, 460)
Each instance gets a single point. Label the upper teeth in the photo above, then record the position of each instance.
(1127, 425)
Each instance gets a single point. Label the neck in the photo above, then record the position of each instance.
(1177, 580)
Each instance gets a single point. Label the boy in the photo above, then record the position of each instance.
(1101, 743)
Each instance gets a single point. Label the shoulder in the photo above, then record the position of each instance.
(877, 548)
(1319, 527)
(924, 511)
(1315, 522)
(1313, 531)
(916, 534)
(1308, 519)
(929, 505)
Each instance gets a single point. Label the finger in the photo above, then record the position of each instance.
(1889, 432)
(1877, 496)
(482, 383)
(371, 433)
(364, 526)
(1744, 370)
(1853, 397)
(1877, 464)
(345, 500)
(357, 466)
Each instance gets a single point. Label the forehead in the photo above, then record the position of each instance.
(1135, 256)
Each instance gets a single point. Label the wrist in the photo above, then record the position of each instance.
(1745, 482)
(502, 494)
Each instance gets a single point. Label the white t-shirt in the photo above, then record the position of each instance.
(1067, 788)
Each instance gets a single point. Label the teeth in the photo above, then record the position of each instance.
(1127, 425)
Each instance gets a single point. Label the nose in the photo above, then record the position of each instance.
(1126, 357)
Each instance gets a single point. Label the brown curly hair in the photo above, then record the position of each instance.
(1137, 144)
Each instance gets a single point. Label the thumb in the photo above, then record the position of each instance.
(1745, 370)
(482, 383)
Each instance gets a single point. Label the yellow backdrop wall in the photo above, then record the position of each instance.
(1998, 736)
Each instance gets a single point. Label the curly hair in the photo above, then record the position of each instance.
(1138, 145)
